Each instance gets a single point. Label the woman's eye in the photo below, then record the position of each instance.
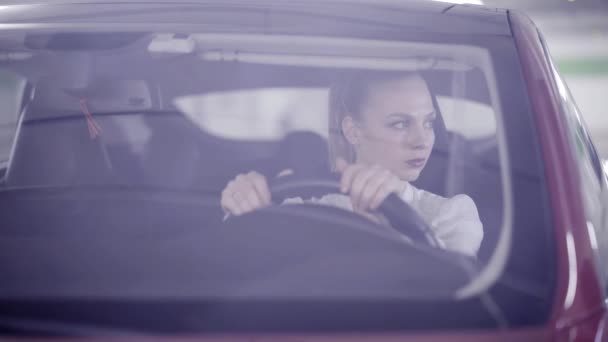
(429, 123)
(398, 125)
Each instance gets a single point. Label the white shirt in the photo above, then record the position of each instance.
(454, 221)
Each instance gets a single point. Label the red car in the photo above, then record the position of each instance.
(125, 124)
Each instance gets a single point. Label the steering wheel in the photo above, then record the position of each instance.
(400, 215)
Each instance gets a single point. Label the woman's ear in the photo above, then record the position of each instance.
(350, 130)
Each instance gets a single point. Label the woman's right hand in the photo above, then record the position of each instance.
(245, 193)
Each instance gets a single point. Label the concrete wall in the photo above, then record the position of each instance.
(591, 95)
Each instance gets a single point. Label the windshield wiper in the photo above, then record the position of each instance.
(29, 326)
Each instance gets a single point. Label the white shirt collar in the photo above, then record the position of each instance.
(408, 193)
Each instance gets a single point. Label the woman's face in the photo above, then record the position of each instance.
(395, 129)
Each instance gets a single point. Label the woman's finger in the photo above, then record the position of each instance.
(228, 201)
(260, 185)
(347, 177)
(381, 194)
(230, 205)
(360, 182)
(246, 194)
(255, 202)
(373, 187)
(390, 185)
(242, 200)
(341, 164)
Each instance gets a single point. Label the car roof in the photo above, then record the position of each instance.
(286, 16)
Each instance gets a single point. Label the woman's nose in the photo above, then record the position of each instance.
(419, 137)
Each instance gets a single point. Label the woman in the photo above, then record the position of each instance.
(381, 136)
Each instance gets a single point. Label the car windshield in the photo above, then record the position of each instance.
(117, 147)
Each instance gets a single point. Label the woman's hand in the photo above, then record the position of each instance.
(367, 185)
(245, 193)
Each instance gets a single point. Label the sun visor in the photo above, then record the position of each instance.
(102, 96)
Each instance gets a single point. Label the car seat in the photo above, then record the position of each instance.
(55, 143)
(455, 167)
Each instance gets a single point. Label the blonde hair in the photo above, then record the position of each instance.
(346, 98)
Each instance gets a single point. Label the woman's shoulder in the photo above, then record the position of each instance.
(455, 220)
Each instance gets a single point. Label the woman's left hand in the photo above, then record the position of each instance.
(367, 185)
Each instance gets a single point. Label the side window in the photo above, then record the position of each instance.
(594, 190)
(11, 92)
(474, 120)
(257, 113)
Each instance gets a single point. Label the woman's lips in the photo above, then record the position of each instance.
(416, 163)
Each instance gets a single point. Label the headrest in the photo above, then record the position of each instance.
(50, 100)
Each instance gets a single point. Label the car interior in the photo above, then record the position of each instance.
(78, 120)
(54, 144)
